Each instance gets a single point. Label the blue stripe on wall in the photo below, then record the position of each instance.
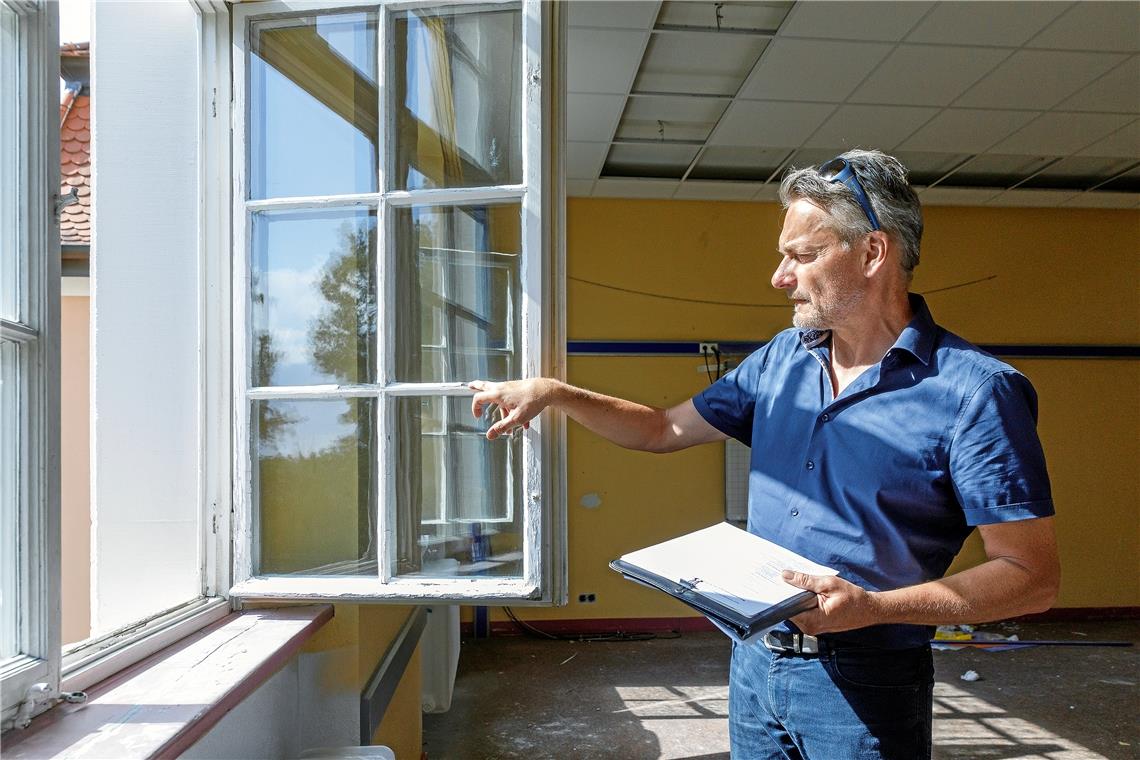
(743, 348)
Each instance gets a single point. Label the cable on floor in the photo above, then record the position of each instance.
(530, 630)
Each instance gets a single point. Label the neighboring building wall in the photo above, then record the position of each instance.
(1062, 276)
(75, 460)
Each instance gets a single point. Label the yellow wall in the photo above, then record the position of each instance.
(366, 632)
(1058, 276)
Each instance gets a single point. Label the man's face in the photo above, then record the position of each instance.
(820, 274)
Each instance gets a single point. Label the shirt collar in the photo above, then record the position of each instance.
(917, 338)
(919, 334)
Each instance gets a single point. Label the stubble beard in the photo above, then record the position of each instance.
(826, 310)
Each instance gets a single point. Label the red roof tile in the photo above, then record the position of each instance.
(75, 166)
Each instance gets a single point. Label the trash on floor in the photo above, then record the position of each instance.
(970, 675)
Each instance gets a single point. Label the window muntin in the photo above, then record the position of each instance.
(460, 275)
(11, 643)
(9, 164)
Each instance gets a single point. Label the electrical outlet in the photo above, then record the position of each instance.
(708, 348)
(587, 598)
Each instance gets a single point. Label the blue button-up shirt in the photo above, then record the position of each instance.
(885, 482)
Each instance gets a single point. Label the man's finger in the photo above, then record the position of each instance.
(480, 401)
(803, 580)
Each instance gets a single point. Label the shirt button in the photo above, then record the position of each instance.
(810, 465)
(825, 417)
(795, 513)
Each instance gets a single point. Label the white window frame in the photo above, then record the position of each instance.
(38, 336)
(541, 197)
(88, 662)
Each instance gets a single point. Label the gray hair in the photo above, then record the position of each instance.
(884, 178)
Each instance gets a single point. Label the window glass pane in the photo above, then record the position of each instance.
(458, 495)
(10, 428)
(313, 297)
(9, 165)
(315, 486)
(458, 95)
(458, 316)
(313, 116)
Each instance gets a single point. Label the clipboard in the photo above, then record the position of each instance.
(725, 574)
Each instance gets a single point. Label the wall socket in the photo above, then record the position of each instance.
(587, 598)
(708, 348)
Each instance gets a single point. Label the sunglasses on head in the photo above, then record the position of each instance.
(840, 170)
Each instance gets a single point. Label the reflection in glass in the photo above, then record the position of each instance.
(458, 495)
(9, 499)
(313, 297)
(314, 486)
(313, 106)
(10, 94)
(458, 315)
(458, 97)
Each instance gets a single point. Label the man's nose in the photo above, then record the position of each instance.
(783, 278)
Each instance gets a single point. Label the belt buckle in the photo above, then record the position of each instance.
(800, 643)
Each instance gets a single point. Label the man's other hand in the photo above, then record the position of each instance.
(840, 605)
(518, 401)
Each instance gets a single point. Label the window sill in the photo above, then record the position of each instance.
(164, 704)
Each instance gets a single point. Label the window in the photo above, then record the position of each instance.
(29, 329)
(394, 232)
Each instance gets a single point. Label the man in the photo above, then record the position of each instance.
(879, 440)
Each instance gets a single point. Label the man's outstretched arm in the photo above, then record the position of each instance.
(626, 423)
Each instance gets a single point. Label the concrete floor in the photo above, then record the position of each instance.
(520, 697)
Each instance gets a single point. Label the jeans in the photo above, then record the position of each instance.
(844, 703)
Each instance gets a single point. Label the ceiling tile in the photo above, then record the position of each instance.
(1129, 182)
(967, 130)
(843, 20)
(738, 163)
(634, 188)
(765, 16)
(928, 167)
(670, 117)
(584, 160)
(1079, 172)
(698, 62)
(1004, 23)
(998, 171)
(771, 125)
(1037, 79)
(812, 70)
(1098, 199)
(603, 60)
(813, 156)
(881, 127)
(579, 188)
(592, 118)
(1060, 134)
(1123, 143)
(956, 196)
(1032, 198)
(1117, 91)
(1094, 26)
(717, 191)
(613, 14)
(649, 160)
(925, 75)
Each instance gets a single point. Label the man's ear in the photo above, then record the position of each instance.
(877, 248)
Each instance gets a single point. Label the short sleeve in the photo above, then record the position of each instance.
(729, 403)
(996, 461)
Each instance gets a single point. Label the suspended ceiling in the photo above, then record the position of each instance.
(999, 103)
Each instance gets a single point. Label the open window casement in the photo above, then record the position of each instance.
(29, 359)
(395, 227)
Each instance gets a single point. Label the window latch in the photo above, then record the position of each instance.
(63, 201)
(36, 697)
